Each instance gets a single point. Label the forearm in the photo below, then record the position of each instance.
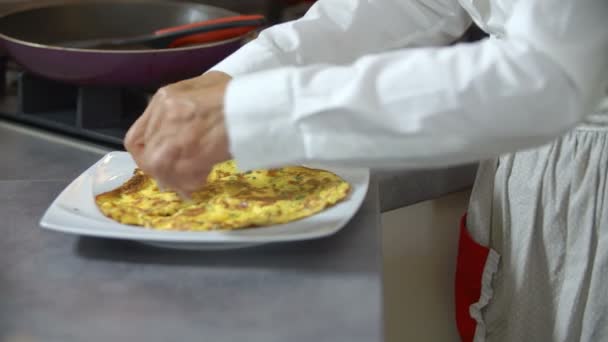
(419, 108)
(429, 106)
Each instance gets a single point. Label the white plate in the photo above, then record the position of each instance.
(74, 211)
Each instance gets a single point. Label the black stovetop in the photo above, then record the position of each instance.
(97, 114)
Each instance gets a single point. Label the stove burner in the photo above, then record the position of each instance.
(98, 114)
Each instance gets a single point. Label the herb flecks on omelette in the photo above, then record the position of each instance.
(229, 200)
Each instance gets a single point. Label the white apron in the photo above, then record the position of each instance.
(533, 262)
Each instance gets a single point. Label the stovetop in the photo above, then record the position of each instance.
(97, 114)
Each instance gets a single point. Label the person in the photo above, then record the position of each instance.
(380, 83)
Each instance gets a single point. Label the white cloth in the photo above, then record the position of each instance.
(544, 212)
(339, 86)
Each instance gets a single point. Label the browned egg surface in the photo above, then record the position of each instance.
(229, 200)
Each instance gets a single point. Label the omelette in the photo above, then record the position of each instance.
(229, 200)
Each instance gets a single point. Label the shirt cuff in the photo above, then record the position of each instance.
(251, 57)
(262, 131)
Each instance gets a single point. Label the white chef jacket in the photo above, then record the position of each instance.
(372, 82)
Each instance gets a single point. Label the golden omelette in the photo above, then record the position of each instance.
(229, 200)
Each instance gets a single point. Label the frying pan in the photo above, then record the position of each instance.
(32, 37)
(199, 32)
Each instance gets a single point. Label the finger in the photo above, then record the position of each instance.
(136, 152)
(158, 159)
(134, 137)
(135, 140)
(185, 180)
(197, 158)
(193, 173)
(201, 148)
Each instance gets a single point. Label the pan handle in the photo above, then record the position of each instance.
(258, 19)
(210, 37)
(250, 23)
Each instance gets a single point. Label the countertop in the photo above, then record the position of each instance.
(58, 287)
(64, 288)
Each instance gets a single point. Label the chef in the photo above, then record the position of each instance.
(378, 83)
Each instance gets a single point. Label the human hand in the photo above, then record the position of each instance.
(181, 134)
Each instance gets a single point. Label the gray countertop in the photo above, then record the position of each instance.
(64, 288)
(400, 188)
